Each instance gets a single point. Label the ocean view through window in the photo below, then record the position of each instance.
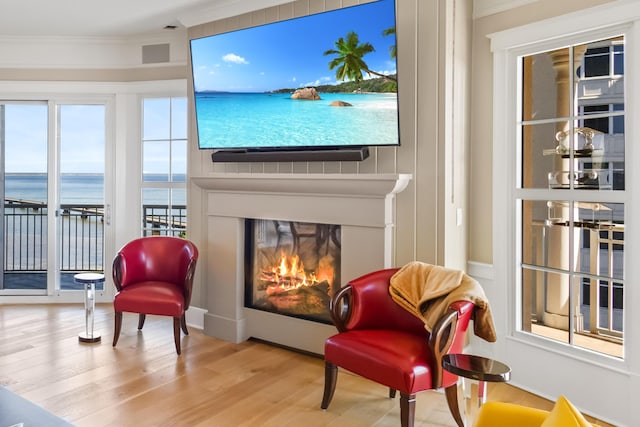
(164, 166)
(79, 187)
(53, 190)
(67, 184)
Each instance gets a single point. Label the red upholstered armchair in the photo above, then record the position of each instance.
(154, 275)
(381, 341)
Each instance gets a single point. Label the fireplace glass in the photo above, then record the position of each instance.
(292, 268)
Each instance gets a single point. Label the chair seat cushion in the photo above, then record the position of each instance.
(161, 298)
(503, 414)
(397, 359)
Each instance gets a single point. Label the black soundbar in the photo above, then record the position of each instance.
(306, 155)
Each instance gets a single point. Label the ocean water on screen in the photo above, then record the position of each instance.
(237, 120)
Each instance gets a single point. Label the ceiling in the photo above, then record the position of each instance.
(113, 18)
(127, 18)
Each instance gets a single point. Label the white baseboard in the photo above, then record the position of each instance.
(195, 317)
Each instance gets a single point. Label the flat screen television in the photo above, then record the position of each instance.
(317, 87)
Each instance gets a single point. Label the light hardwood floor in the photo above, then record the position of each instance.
(142, 382)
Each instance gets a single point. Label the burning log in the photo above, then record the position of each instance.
(289, 288)
(302, 300)
(289, 272)
(286, 286)
(272, 277)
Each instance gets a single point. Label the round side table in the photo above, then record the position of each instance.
(89, 280)
(476, 368)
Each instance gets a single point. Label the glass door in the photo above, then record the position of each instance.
(80, 213)
(52, 182)
(24, 154)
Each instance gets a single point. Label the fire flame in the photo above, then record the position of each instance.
(289, 273)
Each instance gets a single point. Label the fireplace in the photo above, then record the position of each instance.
(353, 213)
(292, 267)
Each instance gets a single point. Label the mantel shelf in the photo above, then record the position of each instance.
(372, 185)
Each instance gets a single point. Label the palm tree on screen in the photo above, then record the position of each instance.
(393, 51)
(348, 61)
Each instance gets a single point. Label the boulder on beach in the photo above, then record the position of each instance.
(309, 93)
(339, 103)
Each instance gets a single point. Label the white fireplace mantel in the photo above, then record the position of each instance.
(362, 204)
(336, 184)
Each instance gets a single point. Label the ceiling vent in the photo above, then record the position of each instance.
(155, 53)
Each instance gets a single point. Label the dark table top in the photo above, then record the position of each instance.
(89, 278)
(476, 367)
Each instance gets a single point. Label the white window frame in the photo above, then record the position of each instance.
(164, 185)
(539, 364)
(123, 156)
(54, 95)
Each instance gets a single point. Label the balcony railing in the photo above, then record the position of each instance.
(599, 294)
(25, 236)
(81, 234)
(160, 220)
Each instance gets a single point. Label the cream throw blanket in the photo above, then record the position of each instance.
(427, 290)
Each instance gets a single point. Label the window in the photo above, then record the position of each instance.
(572, 219)
(564, 213)
(53, 185)
(603, 120)
(164, 166)
(603, 60)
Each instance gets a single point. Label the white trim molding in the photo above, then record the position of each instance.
(490, 7)
(100, 53)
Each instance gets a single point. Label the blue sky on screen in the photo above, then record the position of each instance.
(289, 54)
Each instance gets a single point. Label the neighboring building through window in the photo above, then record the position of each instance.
(603, 60)
(164, 166)
(572, 222)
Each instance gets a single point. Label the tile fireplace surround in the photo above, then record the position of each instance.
(363, 204)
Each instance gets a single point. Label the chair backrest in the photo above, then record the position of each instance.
(373, 307)
(465, 313)
(155, 258)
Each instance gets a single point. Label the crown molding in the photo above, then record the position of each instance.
(33, 52)
(225, 9)
(490, 7)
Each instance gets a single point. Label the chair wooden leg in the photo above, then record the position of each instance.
(407, 409)
(183, 324)
(392, 393)
(176, 333)
(330, 380)
(141, 319)
(452, 400)
(117, 327)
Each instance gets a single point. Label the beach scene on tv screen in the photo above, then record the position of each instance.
(328, 79)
